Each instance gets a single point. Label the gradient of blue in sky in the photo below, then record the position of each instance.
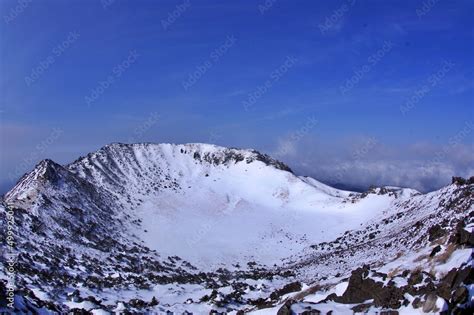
(373, 91)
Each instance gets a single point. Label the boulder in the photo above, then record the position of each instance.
(430, 302)
(461, 236)
(361, 288)
(460, 296)
(291, 287)
(435, 250)
(416, 303)
(435, 232)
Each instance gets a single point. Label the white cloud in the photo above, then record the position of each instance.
(377, 164)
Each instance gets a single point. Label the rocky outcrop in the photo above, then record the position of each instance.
(362, 288)
(463, 181)
(368, 288)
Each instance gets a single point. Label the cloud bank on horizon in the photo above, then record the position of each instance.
(349, 92)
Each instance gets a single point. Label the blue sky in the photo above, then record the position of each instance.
(377, 92)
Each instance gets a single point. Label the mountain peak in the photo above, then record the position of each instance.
(47, 169)
(202, 152)
(24, 193)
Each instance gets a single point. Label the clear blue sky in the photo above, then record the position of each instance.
(330, 87)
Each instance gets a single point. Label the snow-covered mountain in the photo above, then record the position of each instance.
(197, 227)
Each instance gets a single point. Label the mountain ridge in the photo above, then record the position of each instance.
(226, 228)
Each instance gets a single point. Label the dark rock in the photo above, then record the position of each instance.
(362, 308)
(448, 279)
(415, 278)
(207, 298)
(138, 303)
(261, 303)
(461, 236)
(286, 308)
(466, 238)
(361, 289)
(405, 273)
(330, 297)
(291, 287)
(418, 224)
(358, 289)
(435, 232)
(444, 291)
(269, 161)
(453, 281)
(456, 277)
(460, 296)
(435, 250)
(458, 181)
(389, 312)
(79, 311)
(388, 297)
(310, 312)
(416, 302)
(465, 275)
(153, 302)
